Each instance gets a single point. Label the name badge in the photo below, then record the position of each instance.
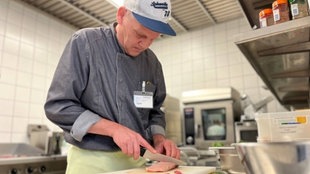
(143, 99)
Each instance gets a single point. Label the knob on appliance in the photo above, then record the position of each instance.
(29, 170)
(190, 140)
(42, 169)
(14, 171)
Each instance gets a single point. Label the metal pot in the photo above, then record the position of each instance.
(275, 158)
(229, 160)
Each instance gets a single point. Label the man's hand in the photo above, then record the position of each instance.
(166, 146)
(130, 142)
(127, 140)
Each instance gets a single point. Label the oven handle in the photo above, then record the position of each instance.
(197, 130)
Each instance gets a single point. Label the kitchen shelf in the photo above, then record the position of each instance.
(280, 55)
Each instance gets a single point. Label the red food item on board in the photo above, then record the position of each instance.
(177, 172)
(161, 167)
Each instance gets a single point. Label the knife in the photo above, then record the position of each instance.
(160, 157)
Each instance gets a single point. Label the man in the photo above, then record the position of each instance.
(108, 88)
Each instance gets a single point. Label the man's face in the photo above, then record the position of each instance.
(134, 37)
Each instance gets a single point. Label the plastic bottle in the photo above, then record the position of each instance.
(299, 8)
(280, 11)
(266, 17)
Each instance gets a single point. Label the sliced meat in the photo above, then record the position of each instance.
(161, 167)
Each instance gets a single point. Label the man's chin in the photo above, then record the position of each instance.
(134, 53)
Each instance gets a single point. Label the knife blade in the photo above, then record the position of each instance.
(160, 157)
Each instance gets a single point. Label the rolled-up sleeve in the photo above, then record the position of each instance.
(82, 124)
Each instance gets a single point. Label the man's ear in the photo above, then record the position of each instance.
(121, 12)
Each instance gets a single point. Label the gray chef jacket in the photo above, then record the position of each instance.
(95, 79)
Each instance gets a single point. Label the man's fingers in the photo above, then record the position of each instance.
(145, 144)
(130, 148)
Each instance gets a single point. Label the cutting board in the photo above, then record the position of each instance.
(182, 169)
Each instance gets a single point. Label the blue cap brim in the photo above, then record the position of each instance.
(155, 25)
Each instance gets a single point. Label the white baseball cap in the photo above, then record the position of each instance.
(152, 14)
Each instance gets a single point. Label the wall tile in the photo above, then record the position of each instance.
(5, 124)
(11, 47)
(19, 138)
(237, 83)
(15, 17)
(29, 21)
(2, 30)
(25, 65)
(36, 111)
(26, 50)
(38, 82)
(38, 96)
(39, 68)
(235, 71)
(251, 81)
(9, 60)
(7, 107)
(28, 36)
(21, 109)
(3, 9)
(19, 124)
(22, 94)
(9, 91)
(13, 32)
(24, 79)
(5, 137)
(8, 76)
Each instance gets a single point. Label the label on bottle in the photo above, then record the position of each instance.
(294, 9)
(263, 22)
(276, 15)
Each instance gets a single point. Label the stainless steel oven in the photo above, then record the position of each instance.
(209, 117)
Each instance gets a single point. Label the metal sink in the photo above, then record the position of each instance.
(12, 150)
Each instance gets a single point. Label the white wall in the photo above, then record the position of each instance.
(30, 47)
(32, 42)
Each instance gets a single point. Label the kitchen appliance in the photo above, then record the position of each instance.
(275, 158)
(246, 131)
(182, 169)
(40, 137)
(283, 126)
(172, 109)
(209, 116)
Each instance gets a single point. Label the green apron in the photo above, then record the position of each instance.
(81, 161)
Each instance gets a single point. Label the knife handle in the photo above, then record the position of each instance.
(142, 150)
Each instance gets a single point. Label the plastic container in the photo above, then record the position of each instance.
(299, 8)
(280, 11)
(283, 126)
(266, 18)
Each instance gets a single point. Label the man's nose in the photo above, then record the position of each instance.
(145, 43)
